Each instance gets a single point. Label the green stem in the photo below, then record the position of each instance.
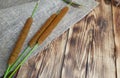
(7, 71)
(35, 8)
(12, 67)
(25, 58)
(68, 2)
(71, 3)
(19, 59)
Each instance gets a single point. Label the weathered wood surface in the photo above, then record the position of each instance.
(48, 63)
(116, 26)
(89, 49)
(90, 46)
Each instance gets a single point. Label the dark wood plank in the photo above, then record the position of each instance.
(48, 63)
(116, 21)
(90, 46)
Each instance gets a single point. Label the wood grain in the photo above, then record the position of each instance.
(90, 46)
(48, 63)
(116, 24)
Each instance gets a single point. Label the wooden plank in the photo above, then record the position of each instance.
(48, 63)
(116, 22)
(90, 46)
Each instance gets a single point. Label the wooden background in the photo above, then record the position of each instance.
(89, 49)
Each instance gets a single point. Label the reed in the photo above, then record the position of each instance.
(20, 41)
(43, 36)
(53, 25)
(33, 41)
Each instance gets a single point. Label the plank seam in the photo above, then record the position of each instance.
(64, 54)
(115, 53)
(40, 67)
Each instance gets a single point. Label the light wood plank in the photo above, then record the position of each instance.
(90, 47)
(116, 22)
(48, 63)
